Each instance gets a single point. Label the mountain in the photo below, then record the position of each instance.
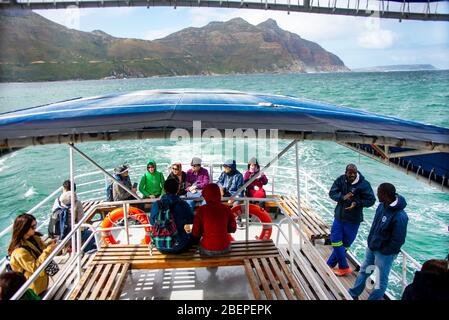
(399, 67)
(33, 48)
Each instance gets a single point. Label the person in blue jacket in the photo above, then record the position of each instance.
(230, 181)
(352, 192)
(385, 239)
(182, 215)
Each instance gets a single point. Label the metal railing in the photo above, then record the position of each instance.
(308, 182)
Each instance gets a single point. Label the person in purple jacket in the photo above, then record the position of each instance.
(197, 179)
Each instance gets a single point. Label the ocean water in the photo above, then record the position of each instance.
(29, 175)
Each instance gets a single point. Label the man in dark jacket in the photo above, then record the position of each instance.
(352, 193)
(385, 239)
(431, 283)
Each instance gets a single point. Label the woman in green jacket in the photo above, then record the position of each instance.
(152, 183)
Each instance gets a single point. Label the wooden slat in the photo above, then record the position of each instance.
(81, 283)
(100, 282)
(252, 279)
(305, 218)
(313, 218)
(304, 227)
(263, 280)
(111, 279)
(281, 277)
(290, 278)
(313, 287)
(119, 283)
(69, 279)
(272, 279)
(90, 284)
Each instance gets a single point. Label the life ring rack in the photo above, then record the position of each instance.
(261, 214)
(110, 221)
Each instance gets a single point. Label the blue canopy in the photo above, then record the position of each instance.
(155, 113)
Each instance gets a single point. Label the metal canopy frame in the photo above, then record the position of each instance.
(307, 6)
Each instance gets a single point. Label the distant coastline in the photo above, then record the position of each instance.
(398, 68)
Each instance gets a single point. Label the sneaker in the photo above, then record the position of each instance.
(342, 272)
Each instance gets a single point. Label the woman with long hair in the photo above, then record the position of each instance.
(180, 176)
(28, 251)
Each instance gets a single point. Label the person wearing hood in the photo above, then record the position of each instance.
(118, 193)
(255, 189)
(230, 181)
(352, 192)
(385, 239)
(152, 182)
(213, 222)
(431, 283)
(65, 201)
(182, 215)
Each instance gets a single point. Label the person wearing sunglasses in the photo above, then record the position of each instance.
(27, 251)
(180, 176)
(152, 182)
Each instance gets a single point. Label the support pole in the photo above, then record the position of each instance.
(75, 236)
(298, 193)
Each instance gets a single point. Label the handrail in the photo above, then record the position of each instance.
(313, 200)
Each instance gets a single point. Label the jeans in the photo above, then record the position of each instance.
(191, 203)
(373, 260)
(214, 253)
(342, 236)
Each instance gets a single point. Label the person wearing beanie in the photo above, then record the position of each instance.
(255, 189)
(213, 222)
(197, 179)
(152, 182)
(230, 181)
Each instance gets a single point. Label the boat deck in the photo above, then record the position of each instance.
(191, 276)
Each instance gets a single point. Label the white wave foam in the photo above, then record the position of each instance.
(30, 192)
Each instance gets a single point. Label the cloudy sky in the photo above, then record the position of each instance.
(359, 42)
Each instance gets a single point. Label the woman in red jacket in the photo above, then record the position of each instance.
(213, 222)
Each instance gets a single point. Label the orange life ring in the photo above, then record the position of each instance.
(117, 214)
(260, 213)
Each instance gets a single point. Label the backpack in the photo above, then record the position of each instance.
(109, 194)
(59, 224)
(164, 231)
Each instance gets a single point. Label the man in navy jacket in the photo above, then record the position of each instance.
(352, 193)
(385, 239)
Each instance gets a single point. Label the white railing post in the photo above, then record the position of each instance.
(125, 219)
(247, 220)
(298, 193)
(404, 272)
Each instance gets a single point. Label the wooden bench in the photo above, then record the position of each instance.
(138, 256)
(270, 274)
(315, 277)
(311, 223)
(101, 282)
